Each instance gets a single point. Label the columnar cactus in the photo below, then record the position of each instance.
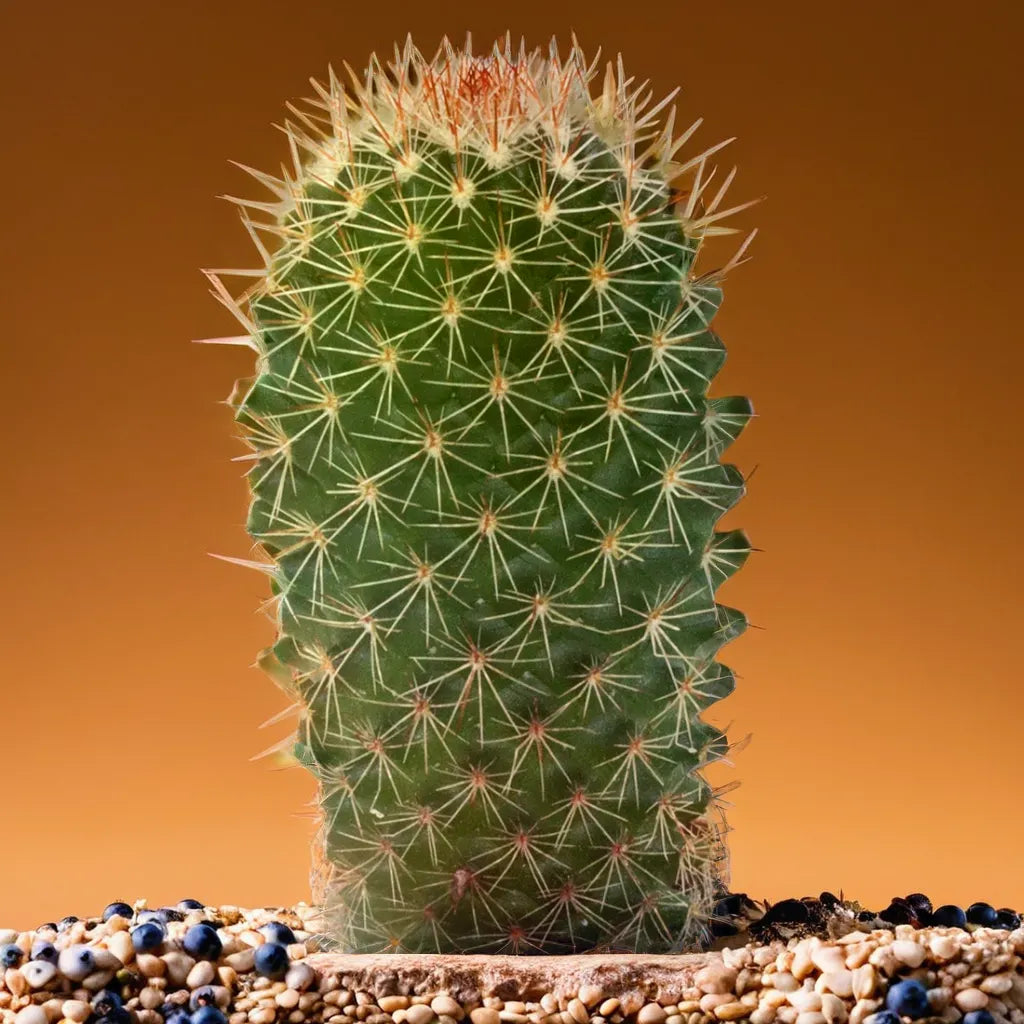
(486, 472)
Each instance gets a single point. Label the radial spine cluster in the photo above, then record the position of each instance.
(486, 473)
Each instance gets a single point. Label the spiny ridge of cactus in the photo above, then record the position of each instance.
(486, 471)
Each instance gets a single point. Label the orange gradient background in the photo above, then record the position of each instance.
(877, 330)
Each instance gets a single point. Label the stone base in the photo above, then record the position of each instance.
(470, 978)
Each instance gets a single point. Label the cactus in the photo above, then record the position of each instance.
(486, 473)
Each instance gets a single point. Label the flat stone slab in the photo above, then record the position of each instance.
(469, 978)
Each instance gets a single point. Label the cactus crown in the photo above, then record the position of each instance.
(487, 472)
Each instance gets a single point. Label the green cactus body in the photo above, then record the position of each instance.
(487, 472)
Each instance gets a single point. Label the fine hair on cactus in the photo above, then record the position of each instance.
(485, 475)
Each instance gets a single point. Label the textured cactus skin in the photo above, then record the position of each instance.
(487, 473)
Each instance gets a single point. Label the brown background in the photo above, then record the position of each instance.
(877, 330)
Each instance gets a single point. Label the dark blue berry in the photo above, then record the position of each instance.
(978, 1017)
(43, 950)
(176, 1015)
(1008, 918)
(920, 903)
(205, 995)
(66, 922)
(119, 1016)
(189, 905)
(949, 915)
(271, 960)
(121, 909)
(49, 926)
(147, 915)
(278, 931)
(907, 998)
(983, 914)
(106, 1002)
(208, 1015)
(11, 955)
(168, 914)
(148, 937)
(885, 1017)
(202, 942)
(898, 912)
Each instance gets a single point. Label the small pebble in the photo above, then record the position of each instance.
(969, 999)
(732, 1011)
(652, 1013)
(418, 1013)
(201, 974)
(76, 962)
(300, 976)
(907, 952)
(31, 1014)
(444, 1005)
(38, 972)
(76, 1009)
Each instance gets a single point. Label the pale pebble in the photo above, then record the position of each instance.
(300, 976)
(908, 952)
(864, 980)
(578, 1011)
(802, 964)
(31, 1014)
(997, 984)
(969, 999)
(589, 995)
(418, 1013)
(651, 1013)
(811, 1017)
(763, 1015)
(76, 1009)
(178, 965)
(15, 982)
(839, 983)
(732, 1011)
(833, 1009)
(805, 1000)
(715, 978)
(484, 1015)
(391, 1003)
(202, 973)
(38, 972)
(75, 962)
(828, 958)
(150, 998)
(97, 980)
(444, 1005)
(710, 1000)
(784, 981)
(150, 966)
(106, 960)
(288, 999)
(242, 962)
(263, 1015)
(121, 945)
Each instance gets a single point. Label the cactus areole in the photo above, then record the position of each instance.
(486, 473)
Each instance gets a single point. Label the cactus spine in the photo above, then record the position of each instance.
(486, 472)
